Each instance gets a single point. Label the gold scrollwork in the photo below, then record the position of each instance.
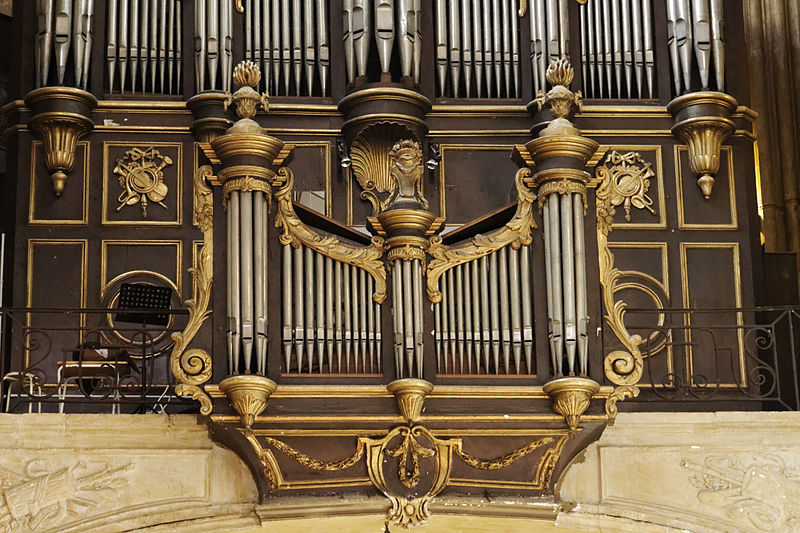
(141, 176)
(619, 393)
(624, 180)
(192, 367)
(297, 233)
(516, 232)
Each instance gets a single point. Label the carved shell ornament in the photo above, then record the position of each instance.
(141, 176)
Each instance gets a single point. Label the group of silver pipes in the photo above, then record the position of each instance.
(549, 22)
(486, 311)
(394, 20)
(480, 37)
(61, 25)
(289, 37)
(213, 46)
(247, 213)
(407, 317)
(565, 278)
(145, 34)
(330, 322)
(617, 54)
(696, 25)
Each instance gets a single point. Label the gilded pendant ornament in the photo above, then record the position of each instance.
(295, 232)
(516, 232)
(192, 367)
(141, 176)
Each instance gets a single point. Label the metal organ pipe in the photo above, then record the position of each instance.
(384, 31)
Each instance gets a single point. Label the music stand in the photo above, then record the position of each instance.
(145, 297)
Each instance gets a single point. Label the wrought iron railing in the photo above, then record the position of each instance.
(720, 355)
(84, 359)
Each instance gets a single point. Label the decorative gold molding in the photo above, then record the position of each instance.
(620, 367)
(192, 367)
(516, 232)
(141, 176)
(295, 232)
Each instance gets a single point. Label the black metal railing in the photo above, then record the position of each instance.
(720, 355)
(87, 359)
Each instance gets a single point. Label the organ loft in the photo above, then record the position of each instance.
(373, 265)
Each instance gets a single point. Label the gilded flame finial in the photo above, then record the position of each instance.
(246, 76)
(559, 98)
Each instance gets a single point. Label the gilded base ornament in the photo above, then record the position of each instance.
(410, 394)
(703, 122)
(60, 130)
(571, 397)
(141, 176)
(248, 394)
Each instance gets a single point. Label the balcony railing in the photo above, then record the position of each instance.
(88, 360)
(82, 360)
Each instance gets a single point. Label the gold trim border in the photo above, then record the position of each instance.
(177, 284)
(682, 224)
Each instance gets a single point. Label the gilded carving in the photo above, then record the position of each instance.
(248, 394)
(406, 511)
(619, 180)
(516, 232)
(297, 233)
(562, 186)
(41, 497)
(560, 98)
(141, 177)
(246, 75)
(755, 490)
(192, 367)
(618, 394)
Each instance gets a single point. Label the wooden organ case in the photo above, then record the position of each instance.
(425, 247)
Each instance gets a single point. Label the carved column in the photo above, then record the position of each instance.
(247, 154)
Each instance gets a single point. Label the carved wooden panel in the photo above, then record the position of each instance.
(72, 207)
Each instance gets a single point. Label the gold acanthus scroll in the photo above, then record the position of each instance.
(192, 367)
(297, 233)
(516, 232)
(624, 180)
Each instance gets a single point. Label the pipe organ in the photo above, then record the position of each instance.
(291, 41)
(64, 30)
(144, 45)
(484, 321)
(617, 54)
(391, 23)
(330, 324)
(213, 44)
(476, 237)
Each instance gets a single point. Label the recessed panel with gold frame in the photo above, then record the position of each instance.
(691, 185)
(174, 282)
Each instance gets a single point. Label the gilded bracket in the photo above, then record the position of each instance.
(295, 232)
(516, 232)
(192, 367)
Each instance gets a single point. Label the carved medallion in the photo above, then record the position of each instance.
(141, 176)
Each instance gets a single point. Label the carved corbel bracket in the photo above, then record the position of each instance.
(61, 116)
(248, 394)
(703, 122)
(571, 397)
